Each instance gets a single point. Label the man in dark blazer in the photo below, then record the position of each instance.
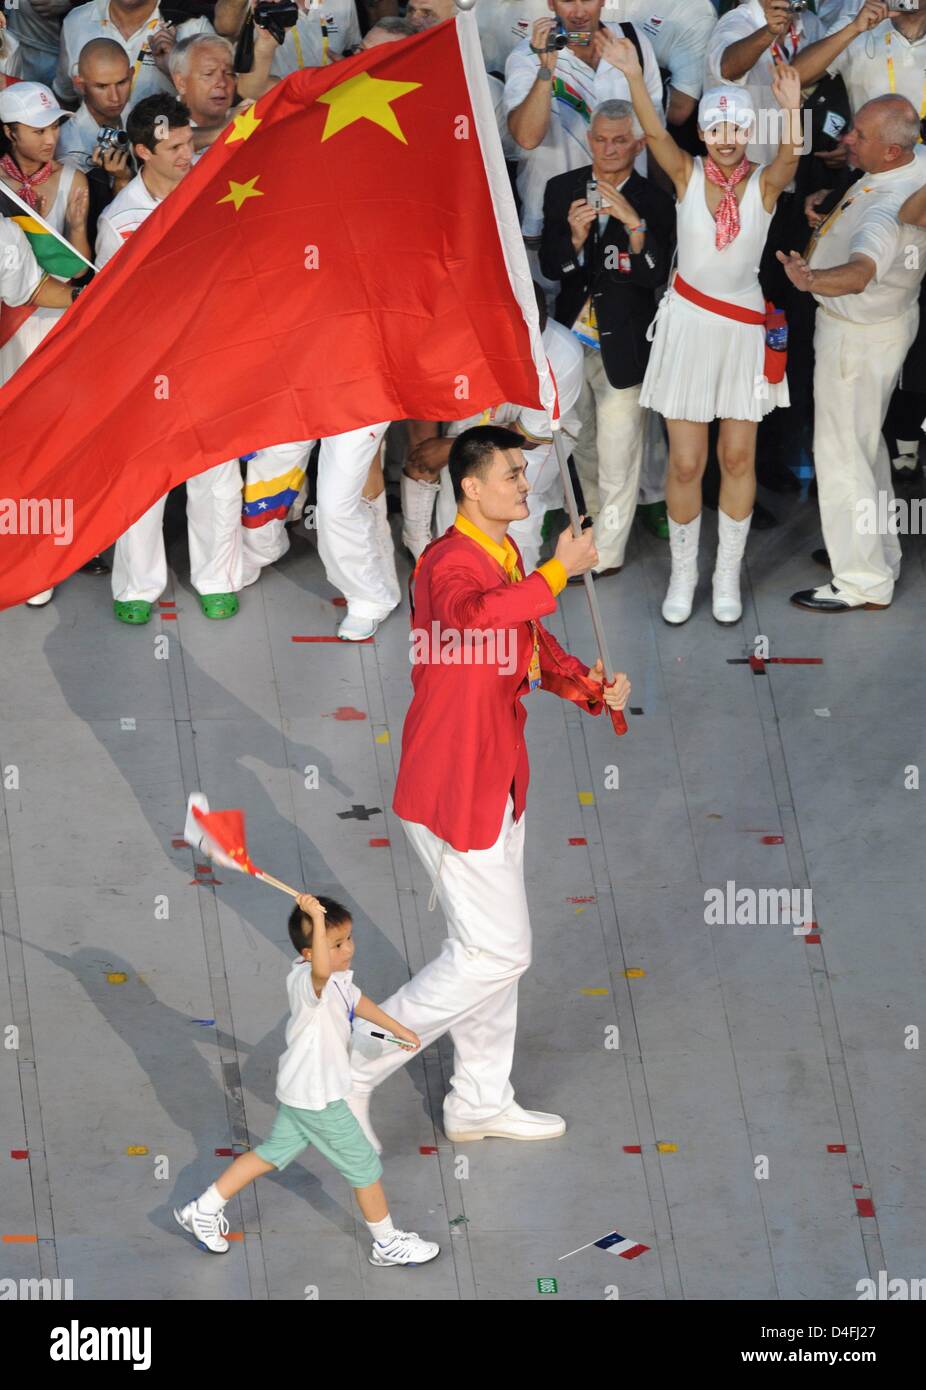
(610, 247)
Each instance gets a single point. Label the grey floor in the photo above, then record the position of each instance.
(140, 1031)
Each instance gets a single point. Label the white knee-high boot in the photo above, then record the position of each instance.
(683, 543)
(731, 543)
(418, 500)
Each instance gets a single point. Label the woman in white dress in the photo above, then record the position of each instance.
(709, 347)
(30, 118)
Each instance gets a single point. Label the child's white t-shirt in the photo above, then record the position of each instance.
(315, 1068)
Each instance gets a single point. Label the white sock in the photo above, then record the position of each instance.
(382, 1231)
(211, 1202)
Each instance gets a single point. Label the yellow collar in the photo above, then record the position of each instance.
(505, 554)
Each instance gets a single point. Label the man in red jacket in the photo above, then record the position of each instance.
(478, 648)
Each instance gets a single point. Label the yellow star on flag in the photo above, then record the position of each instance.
(243, 126)
(239, 193)
(364, 98)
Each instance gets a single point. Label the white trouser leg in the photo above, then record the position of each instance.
(347, 541)
(470, 989)
(140, 560)
(619, 425)
(585, 449)
(213, 519)
(655, 460)
(274, 477)
(857, 369)
(446, 510)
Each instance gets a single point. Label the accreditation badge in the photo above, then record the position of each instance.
(533, 670)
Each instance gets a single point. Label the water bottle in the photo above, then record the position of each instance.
(776, 331)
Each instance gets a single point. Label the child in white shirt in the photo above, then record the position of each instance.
(313, 1079)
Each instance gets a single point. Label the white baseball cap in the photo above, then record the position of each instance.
(30, 103)
(726, 106)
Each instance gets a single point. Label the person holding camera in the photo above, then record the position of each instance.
(882, 49)
(94, 137)
(607, 237)
(864, 269)
(312, 35)
(162, 142)
(553, 82)
(137, 26)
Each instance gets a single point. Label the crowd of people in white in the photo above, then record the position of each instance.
(724, 214)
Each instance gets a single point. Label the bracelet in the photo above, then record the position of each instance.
(640, 227)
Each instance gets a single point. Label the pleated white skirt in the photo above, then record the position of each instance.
(704, 367)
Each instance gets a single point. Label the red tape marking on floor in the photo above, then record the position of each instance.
(579, 840)
(757, 665)
(796, 660)
(168, 617)
(358, 643)
(20, 1240)
(633, 1148)
(344, 712)
(19, 1153)
(580, 900)
(378, 844)
(224, 1153)
(835, 1148)
(772, 840)
(177, 843)
(813, 938)
(866, 1206)
(166, 603)
(427, 1149)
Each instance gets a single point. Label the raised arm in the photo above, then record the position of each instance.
(813, 61)
(786, 86)
(667, 154)
(529, 122)
(229, 17)
(740, 58)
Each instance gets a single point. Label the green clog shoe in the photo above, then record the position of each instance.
(134, 610)
(655, 519)
(218, 605)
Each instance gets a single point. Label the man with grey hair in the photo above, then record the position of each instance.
(864, 267)
(389, 29)
(607, 237)
(202, 68)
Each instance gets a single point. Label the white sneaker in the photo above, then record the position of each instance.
(683, 543)
(359, 1107)
(513, 1123)
(353, 629)
(40, 600)
(403, 1248)
(208, 1230)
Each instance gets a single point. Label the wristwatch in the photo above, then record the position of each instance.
(545, 74)
(75, 291)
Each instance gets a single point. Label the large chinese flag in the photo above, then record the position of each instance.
(346, 253)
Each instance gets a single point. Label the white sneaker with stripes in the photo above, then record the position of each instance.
(209, 1230)
(403, 1248)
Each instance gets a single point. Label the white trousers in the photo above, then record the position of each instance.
(471, 988)
(214, 531)
(857, 368)
(272, 473)
(609, 457)
(354, 561)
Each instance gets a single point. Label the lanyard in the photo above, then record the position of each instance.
(892, 76)
(780, 53)
(152, 24)
(348, 1007)
(826, 227)
(297, 43)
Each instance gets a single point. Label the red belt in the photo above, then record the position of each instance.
(717, 306)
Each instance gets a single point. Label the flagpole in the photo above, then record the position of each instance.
(580, 1249)
(559, 445)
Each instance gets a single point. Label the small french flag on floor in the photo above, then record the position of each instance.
(620, 1245)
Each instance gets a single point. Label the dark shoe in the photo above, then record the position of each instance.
(95, 566)
(762, 518)
(654, 517)
(821, 557)
(806, 598)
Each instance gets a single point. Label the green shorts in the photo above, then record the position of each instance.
(334, 1131)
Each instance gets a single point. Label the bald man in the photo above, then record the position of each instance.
(864, 267)
(104, 81)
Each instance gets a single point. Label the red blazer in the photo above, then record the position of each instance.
(463, 741)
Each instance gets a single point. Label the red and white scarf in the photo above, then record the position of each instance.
(727, 216)
(27, 182)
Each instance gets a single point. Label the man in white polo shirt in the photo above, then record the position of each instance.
(744, 49)
(679, 31)
(879, 50)
(864, 269)
(550, 97)
(104, 80)
(213, 497)
(135, 24)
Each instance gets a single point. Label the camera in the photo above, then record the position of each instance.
(796, 6)
(905, 4)
(593, 194)
(560, 38)
(276, 16)
(110, 137)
